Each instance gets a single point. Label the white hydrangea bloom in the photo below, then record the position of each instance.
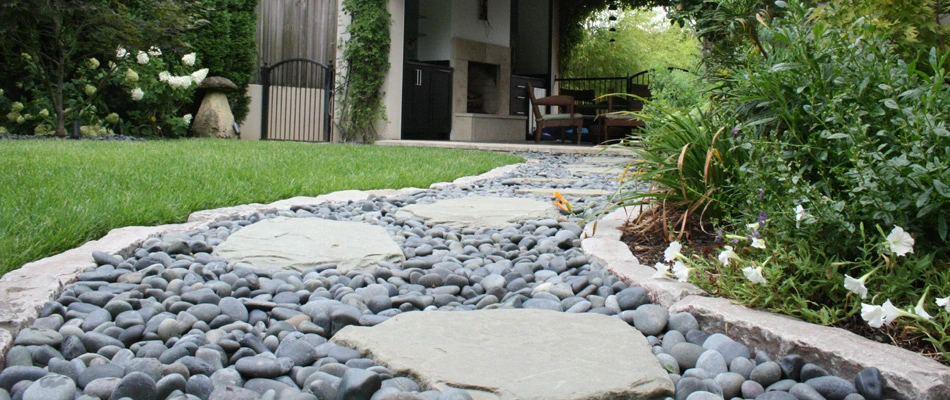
(121, 53)
(137, 94)
(142, 58)
(199, 75)
(154, 51)
(189, 59)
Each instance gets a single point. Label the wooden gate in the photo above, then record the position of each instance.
(298, 101)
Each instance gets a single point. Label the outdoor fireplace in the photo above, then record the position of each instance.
(482, 96)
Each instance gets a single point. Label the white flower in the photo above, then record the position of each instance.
(43, 113)
(131, 76)
(900, 242)
(681, 271)
(154, 51)
(199, 75)
(753, 226)
(121, 53)
(187, 119)
(137, 94)
(758, 243)
(726, 255)
(673, 251)
(163, 76)
(90, 90)
(873, 314)
(856, 286)
(189, 59)
(754, 274)
(142, 57)
(183, 82)
(93, 63)
(890, 312)
(799, 215)
(919, 310)
(661, 270)
(943, 302)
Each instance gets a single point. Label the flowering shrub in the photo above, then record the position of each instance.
(157, 91)
(150, 103)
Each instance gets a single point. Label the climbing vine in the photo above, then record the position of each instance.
(365, 64)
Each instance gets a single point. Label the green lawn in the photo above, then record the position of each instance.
(57, 195)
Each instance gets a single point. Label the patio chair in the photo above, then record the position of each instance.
(570, 118)
(622, 112)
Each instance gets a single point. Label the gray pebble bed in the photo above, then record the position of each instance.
(172, 321)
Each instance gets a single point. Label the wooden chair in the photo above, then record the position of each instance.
(570, 118)
(621, 112)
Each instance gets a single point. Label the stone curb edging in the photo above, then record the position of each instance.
(907, 375)
(24, 292)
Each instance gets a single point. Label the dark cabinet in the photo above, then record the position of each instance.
(519, 103)
(426, 102)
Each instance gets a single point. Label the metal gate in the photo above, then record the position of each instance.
(298, 101)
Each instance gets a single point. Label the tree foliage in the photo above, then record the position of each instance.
(640, 39)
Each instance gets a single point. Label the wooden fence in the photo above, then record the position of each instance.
(296, 29)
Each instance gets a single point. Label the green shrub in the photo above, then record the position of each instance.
(836, 148)
(365, 63)
(226, 44)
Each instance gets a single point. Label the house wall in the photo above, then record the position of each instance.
(391, 127)
(532, 38)
(435, 29)
(496, 30)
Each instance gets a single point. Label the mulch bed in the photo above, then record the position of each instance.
(647, 239)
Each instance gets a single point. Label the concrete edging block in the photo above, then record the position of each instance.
(907, 375)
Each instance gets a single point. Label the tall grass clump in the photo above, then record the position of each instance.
(60, 194)
(825, 157)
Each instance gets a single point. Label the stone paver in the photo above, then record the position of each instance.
(480, 211)
(564, 192)
(301, 243)
(587, 169)
(516, 354)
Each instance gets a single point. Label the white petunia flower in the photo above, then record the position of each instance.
(662, 270)
(726, 255)
(900, 242)
(943, 302)
(873, 314)
(799, 215)
(137, 94)
(189, 59)
(890, 312)
(758, 243)
(681, 271)
(856, 286)
(754, 275)
(673, 251)
(919, 310)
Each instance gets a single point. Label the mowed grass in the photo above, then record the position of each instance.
(56, 195)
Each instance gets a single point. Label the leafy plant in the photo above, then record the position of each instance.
(366, 62)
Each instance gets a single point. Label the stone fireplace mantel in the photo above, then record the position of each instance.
(462, 52)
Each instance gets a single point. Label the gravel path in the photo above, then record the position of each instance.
(174, 322)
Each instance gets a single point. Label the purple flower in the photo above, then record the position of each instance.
(761, 193)
(734, 130)
(762, 217)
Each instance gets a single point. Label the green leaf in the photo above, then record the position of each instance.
(942, 227)
(890, 103)
(942, 188)
(785, 67)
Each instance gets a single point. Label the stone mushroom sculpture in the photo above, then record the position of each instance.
(214, 117)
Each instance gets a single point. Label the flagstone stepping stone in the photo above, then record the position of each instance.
(587, 169)
(302, 243)
(516, 354)
(540, 181)
(480, 211)
(605, 160)
(565, 192)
